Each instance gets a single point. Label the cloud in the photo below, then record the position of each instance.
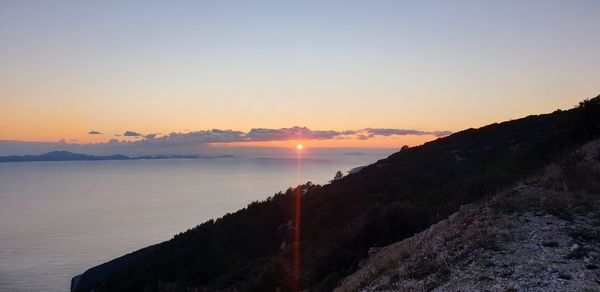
(94, 132)
(151, 136)
(196, 138)
(215, 136)
(131, 134)
(192, 142)
(298, 133)
(441, 133)
(391, 132)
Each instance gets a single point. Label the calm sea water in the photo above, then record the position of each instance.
(58, 219)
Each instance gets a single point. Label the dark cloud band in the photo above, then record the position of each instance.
(264, 134)
(131, 134)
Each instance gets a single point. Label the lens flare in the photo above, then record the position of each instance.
(295, 276)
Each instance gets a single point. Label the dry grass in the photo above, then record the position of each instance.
(423, 261)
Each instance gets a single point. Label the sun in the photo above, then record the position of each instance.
(299, 147)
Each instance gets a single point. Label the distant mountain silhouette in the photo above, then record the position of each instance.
(70, 156)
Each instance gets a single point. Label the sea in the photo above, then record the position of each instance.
(58, 219)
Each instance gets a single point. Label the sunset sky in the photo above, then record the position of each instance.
(150, 67)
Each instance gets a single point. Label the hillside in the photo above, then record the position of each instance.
(541, 235)
(383, 203)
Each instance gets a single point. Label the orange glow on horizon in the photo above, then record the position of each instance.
(298, 145)
(375, 142)
(81, 137)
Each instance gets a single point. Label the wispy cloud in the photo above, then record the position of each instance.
(131, 134)
(94, 132)
(262, 134)
(392, 132)
(151, 136)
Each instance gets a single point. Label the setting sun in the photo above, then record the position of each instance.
(299, 147)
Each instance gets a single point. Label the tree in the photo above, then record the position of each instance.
(338, 175)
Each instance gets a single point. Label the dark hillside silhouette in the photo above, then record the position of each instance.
(382, 203)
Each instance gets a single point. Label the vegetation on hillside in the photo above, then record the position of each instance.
(382, 203)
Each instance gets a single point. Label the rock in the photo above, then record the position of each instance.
(373, 250)
(574, 247)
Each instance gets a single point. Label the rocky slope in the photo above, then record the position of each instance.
(541, 235)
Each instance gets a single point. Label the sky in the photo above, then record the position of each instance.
(186, 68)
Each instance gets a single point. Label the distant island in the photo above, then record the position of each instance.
(70, 156)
